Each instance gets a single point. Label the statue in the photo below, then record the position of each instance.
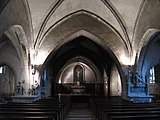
(139, 78)
(23, 90)
(29, 91)
(130, 76)
(77, 76)
(35, 88)
(18, 88)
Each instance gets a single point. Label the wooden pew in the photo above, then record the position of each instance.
(102, 113)
(109, 115)
(124, 109)
(97, 105)
(63, 101)
(38, 111)
(103, 107)
(42, 109)
(26, 118)
(139, 117)
(106, 111)
(10, 115)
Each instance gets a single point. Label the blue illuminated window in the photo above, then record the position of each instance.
(44, 77)
(1, 70)
(152, 75)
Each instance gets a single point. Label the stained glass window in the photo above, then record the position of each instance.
(152, 75)
(2, 69)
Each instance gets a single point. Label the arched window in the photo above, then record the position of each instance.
(152, 75)
(78, 74)
(2, 69)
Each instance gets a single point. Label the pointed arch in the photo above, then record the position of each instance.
(149, 44)
(83, 24)
(17, 38)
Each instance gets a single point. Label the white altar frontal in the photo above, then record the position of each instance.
(76, 89)
(24, 98)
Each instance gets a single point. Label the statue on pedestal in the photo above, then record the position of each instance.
(138, 78)
(35, 88)
(130, 76)
(20, 88)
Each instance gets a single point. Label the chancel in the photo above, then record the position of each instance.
(79, 59)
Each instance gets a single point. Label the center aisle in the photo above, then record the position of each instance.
(80, 111)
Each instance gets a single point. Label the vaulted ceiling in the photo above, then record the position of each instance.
(119, 15)
(118, 25)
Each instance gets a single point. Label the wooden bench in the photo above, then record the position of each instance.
(110, 114)
(32, 110)
(105, 109)
(46, 110)
(125, 109)
(138, 117)
(26, 118)
(10, 115)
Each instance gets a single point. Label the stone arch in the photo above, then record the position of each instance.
(149, 13)
(77, 24)
(148, 45)
(54, 46)
(84, 62)
(119, 67)
(8, 15)
(12, 66)
(16, 35)
(19, 31)
(7, 80)
(82, 20)
(146, 38)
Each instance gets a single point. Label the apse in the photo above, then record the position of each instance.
(77, 71)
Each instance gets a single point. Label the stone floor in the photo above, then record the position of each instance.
(80, 111)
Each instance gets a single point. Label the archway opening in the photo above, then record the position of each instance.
(82, 63)
(149, 64)
(10, 66)
(7, 82)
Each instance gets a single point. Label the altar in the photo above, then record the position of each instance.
(77, 89)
